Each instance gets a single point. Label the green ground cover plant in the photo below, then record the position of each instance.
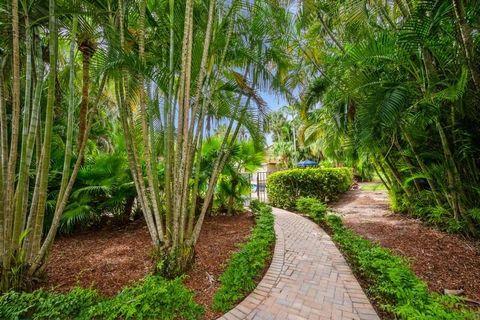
(373, 186)
(389, 277)
(246, 266)
(153, 298)
(325, 184)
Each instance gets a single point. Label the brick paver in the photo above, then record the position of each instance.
(307, 279)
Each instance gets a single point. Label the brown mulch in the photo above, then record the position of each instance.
(107, 259)
(442, 260)
(114, 257)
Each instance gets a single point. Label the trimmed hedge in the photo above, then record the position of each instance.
(247, 265)
(284, 187)
(390, 278)
(153, 298)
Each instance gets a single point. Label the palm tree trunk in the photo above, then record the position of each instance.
(47, 140)
(12, 158)
(397, 177)
(330, 34)
(403, 8)
(39, 259)
(466, 40)
(453, 176)
(182, 127)
(133, 160)
(71, 112)
(151, 173)
(3, 169)
(408, 162)
(34, 140)
(22, 184)
(424, 168)
(381, 176)
(87, 49)
(189, 146)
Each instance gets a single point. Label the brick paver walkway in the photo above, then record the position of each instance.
(308, 278)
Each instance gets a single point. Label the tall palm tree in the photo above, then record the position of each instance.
(397, 98)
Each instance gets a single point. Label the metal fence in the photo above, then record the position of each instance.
(259, 186)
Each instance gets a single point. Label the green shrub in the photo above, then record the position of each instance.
(256, 206)
(153, 298)
(247, 265)
(41, 304)
(390, 278)
(284, 187)
(313, 207)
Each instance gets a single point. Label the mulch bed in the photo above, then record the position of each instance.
(107, 259)
(442, 260)
(114, 257)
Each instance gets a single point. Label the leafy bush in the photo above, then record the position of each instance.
(284, 187)
(153, 298)
(247, 265)
(391, 279)
(315, 209)
(41, 304)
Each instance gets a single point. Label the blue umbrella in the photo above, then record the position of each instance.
(307, 163)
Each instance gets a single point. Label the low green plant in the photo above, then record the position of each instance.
(373, 186)
(325, 184)
(256, 206)
(247, 265)
(315, 209)
(42, 304)
(391, 280)
(153, 298)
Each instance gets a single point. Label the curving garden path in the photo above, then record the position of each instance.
(307, 279)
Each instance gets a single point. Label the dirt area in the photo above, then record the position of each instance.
(442, 260)
(114, 257)
(107, 259)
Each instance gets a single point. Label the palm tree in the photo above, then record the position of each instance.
(396, 99)
(196, 93)
(26, 236)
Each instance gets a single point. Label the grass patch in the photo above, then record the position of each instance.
(372, 186)
(389, 277)
(153, 298)
(247, 265)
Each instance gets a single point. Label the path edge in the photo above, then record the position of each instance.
(260, 293)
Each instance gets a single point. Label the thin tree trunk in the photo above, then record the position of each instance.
(152, 177)
(466, 40)
(408, 162)
(71, 112)
(130, 146)
(403, 8)
(40, 258)
(424, 168)
(397, 177)
(330, 34)
(22, 184)
(87, 48)
(453, 176)
(384, 181)
(188, 147)
(47, 140)
(3, 170)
